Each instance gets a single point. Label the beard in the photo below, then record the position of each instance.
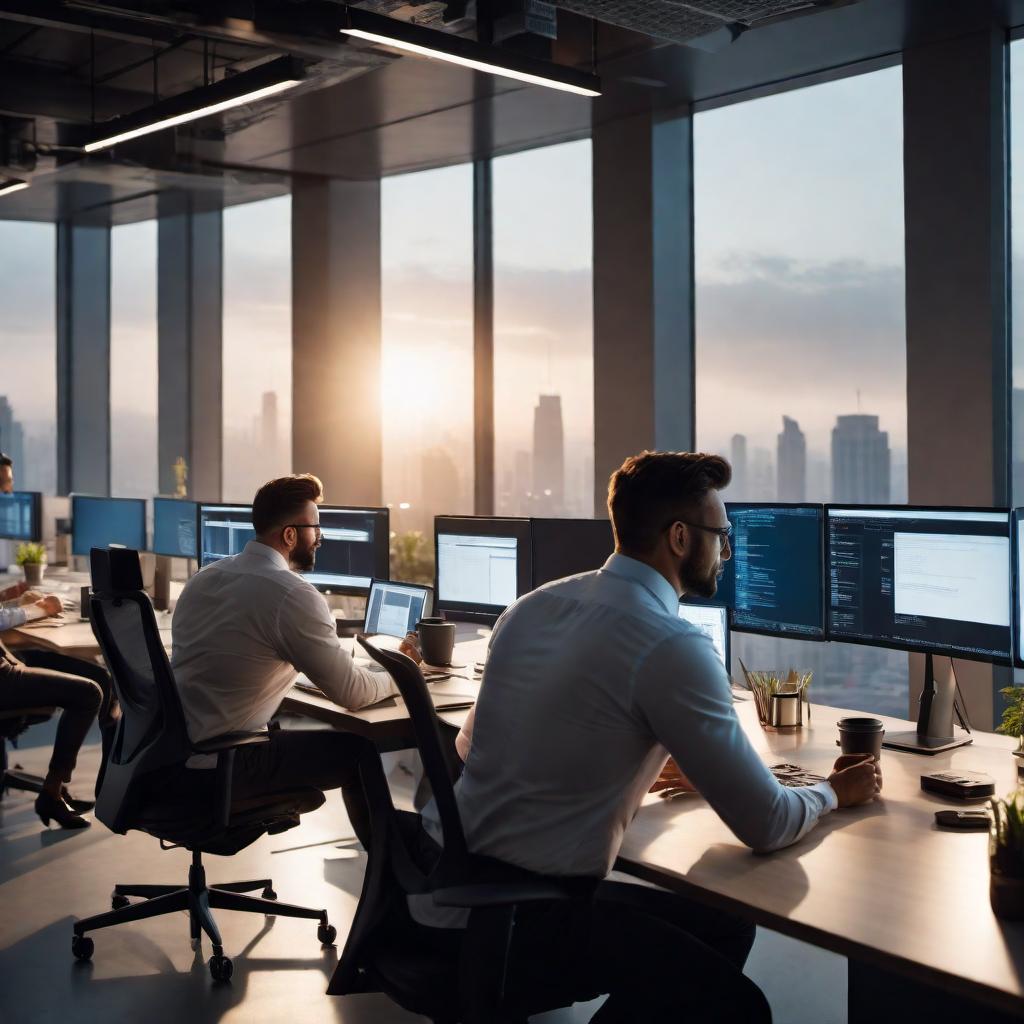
(304, 558)
(700, 583)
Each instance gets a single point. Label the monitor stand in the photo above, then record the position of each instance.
(934, 731)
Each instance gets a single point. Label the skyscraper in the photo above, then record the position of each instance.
(791, 462)
(12, 437)
(548, 456)
(738, 458)
(860, 460)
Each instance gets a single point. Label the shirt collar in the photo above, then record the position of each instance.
(652, 580)
(257, 549)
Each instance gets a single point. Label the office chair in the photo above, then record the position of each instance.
(12, 724)
(433, 971)
(151, 735)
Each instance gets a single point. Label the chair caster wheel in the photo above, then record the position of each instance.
(327, 933)
(220, 968)
(117, 901)
(82, 947)
(269, 894)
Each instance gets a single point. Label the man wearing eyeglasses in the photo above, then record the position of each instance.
(591, 682)
(243, 629)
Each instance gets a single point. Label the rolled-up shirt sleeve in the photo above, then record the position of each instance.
(683, 691)
(11, 618)
(309, 641)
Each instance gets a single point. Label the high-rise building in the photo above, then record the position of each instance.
(548, 456)
(1017, 445)
(761, 481)
(12, 437)
(791, 462)
(523, 485)
(860, 461)
(738, 458)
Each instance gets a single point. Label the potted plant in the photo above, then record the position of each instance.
(1013, 719)
(32, 559)
(1006, 857)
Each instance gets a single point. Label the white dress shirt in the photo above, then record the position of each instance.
(243, 628)
(591, 682)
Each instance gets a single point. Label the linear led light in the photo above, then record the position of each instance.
(12, 185)
(426, 42)
(247, 87)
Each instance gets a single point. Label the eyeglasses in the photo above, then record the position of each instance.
(724, 532)
(305, 525)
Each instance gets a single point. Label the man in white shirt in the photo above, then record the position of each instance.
(242, 630)
(590, 684)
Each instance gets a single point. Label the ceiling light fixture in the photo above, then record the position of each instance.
(12, 185)
(235, 91)
(426, 42)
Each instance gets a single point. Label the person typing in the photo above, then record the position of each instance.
(243, 628)
(591, 682)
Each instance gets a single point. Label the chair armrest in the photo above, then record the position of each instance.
(229, 741)
(497, 894)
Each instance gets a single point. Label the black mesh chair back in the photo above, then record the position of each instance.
(413, 687)
(151, 733)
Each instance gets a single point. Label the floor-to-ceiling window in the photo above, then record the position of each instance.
(1017, 267)
(133, 360)
(543, 332)
(28, 346)
(426, 357)
(257, 346)
(800, 345)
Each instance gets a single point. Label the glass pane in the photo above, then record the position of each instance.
(543, 333)
(426, 358)
(801, 342)
(28, 353)
(1017, 267)
(133, 361)
(257, 346)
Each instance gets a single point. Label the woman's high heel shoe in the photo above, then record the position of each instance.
(78, 806)
(48, 807)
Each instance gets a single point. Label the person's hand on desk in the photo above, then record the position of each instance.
(410, 647)
(856, 779)
(673, 780)
(30, 597)
(44, 608)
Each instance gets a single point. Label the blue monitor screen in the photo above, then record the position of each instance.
(174, 527)
(223, 530)
(773, 582)
(99, 522)
(20, 516)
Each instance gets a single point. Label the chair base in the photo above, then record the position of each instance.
(15, 778)
(200, 901)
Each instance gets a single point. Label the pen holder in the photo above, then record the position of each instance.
(779, 696)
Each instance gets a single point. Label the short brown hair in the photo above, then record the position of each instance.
(651, 490)
(279, 501)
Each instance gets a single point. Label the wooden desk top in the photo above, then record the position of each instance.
(880, 883)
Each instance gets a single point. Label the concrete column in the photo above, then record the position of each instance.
(190, 318)
(643, 290)
(336, 337)
(83, 356)
(954, 102)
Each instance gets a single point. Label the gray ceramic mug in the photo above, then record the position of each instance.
(437, 640)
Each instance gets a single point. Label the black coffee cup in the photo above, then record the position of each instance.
(437, 640)
(861, 736)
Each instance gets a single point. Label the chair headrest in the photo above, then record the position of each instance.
(115, 570)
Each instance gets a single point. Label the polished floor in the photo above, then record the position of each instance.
(148, 971)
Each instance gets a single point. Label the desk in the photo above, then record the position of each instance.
(879, 884)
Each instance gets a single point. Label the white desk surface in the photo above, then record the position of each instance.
(879, 883)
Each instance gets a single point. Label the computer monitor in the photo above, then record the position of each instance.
(354, 549)
(223, 530)
(712, 620)
(922, 579)
(773, 582)
(394, 608)
(21, 516)
(565, 547)
(482, 565)
(174, 527)
(100, 522)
